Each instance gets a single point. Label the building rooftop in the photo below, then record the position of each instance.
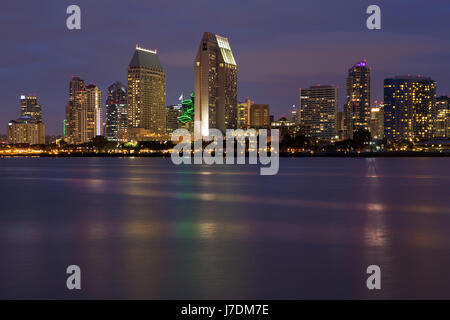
(146, 58)
(25, 119)
(410, 77)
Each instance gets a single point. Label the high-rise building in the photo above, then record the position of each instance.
(30, 107)
(377, 122)
(26, 130)
(243, 114)
(29, 128)
(215, 85)
(357, 107)
(442, 117)
(116, 113)
(75, 122)
(94, 112)
(146, 93)
(260, 116)
(409, 108)
(173, 113)
(318, 111)
(84, 116)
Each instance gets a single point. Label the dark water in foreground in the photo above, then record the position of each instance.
(144, 228)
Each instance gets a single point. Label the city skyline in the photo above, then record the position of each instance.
(298, 57)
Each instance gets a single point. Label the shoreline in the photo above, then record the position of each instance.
(395, 154)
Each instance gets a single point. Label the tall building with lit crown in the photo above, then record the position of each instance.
(146, 93)
(442, 117)
(318, 111)
(116, 113)
(409, 108)
(76, 115)
(29, 107)
(215, 85)
(243, 114)
(357, 107)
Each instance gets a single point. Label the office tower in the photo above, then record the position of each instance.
(243, 114)
(442, 117)
(30, 107)
(75, 124)
(409, 108)
(377, 122)
(318, 111)
(173, 113)
(94, 112)
(116, 113)
(26, 130)
(146, 94)
(215, 85)
(259, 116)
(84, 116)
(357, 107)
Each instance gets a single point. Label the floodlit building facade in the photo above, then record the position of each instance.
(260, 116)
(84, 113)
(94, 112)
(146, 94)
(215, 85)
(29, 107)
(243, 114)
(75, 122)
(26, 130)
(357, 107)
(377, 122)
(442, 117)
(409, 108)
(318, 111)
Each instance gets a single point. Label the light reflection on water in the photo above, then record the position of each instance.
(143, 228)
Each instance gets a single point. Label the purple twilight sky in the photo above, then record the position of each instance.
(279, 46)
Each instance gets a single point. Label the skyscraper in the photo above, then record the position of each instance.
(30, 107)
(116, 113)
(357, 107)
(94, 112)
(409, 108)
(215, 85)
(442, 117)
(75, 124)
(259, 116)
(318, 111)
(243, 114)
(84, 114)
(146, 93)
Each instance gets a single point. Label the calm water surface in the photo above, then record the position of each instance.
(146, 229)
